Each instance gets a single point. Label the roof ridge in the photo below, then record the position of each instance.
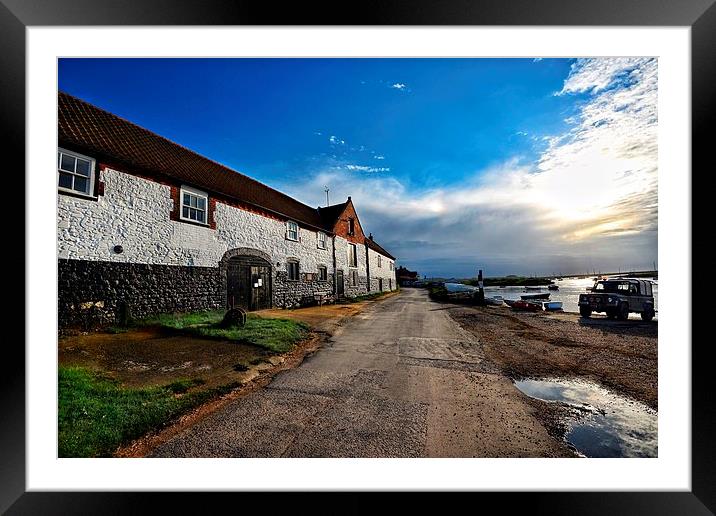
(183, 147)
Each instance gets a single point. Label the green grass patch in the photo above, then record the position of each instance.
(276, 335)
(180, 321)
(117, 329)
(96, 414)
(184, 384)
(438, 293)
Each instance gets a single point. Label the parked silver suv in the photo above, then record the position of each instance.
(617, 297)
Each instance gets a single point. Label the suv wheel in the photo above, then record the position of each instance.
(623, 314)
(648, 314)
(585, 311)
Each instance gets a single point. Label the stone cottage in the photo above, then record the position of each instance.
(147, 225)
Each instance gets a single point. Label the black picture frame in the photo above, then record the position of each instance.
(16, 15)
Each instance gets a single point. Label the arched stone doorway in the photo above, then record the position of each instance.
(248, 278)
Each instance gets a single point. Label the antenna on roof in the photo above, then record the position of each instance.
(326, 190)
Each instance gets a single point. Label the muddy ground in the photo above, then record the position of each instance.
(150, 357)
(621, 355)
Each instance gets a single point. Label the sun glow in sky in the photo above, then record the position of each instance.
(515, 166)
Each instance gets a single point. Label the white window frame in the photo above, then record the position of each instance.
(196, 193)
(352, 255)
(320, 276)
(354, 278)
(90, 179)
(321, 242)
(380, 262)
(288, 230)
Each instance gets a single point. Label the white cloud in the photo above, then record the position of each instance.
(398, 86)
(365, 168)
(594, 75)
(537, 60)
(379, 157)
(589, 201)
(336, 141)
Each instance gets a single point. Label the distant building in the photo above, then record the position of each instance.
(406, 277)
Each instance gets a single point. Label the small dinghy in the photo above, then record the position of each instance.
(495, 300)
(551, 306)
(528, 306)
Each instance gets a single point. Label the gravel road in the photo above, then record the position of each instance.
(400, 379)
(620, 355)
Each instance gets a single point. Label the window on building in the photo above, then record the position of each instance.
(292, 230)
(354, 278)
(352, 255)
(292, 266)
(351, 226)
(75, 172)
(321, 240)
(194, 205)
(380, 261)
(322, 273)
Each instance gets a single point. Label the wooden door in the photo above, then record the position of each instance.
(340, 288)
(260, 287)
(248, 283)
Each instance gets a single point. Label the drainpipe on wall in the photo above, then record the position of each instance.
(335, 269)
(367, 264)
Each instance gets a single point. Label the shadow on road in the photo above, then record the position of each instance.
(620, 327)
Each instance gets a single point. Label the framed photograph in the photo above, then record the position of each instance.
(442, 265)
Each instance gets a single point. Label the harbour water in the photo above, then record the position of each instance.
(568, 293)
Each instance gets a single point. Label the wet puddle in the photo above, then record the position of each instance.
(611, 425)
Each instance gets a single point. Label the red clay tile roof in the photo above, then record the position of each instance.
(371, 243)
(330, 214)
(101, 133)
(96, 131)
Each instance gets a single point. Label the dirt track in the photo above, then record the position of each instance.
(619, 355)
(400, 379)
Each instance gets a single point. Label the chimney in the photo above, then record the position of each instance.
(349, 197)
(370, 236)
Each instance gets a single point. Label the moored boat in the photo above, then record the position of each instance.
(553, 287)
(535, 296)
(528, 306)
(551, 306)
(495, 300)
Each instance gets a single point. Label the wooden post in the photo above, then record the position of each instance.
(481, 290)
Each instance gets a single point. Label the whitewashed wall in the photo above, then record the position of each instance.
(383, 271)
(134, 213)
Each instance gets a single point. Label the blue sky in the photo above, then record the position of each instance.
(454, 164)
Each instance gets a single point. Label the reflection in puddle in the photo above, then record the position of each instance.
(612, 426)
